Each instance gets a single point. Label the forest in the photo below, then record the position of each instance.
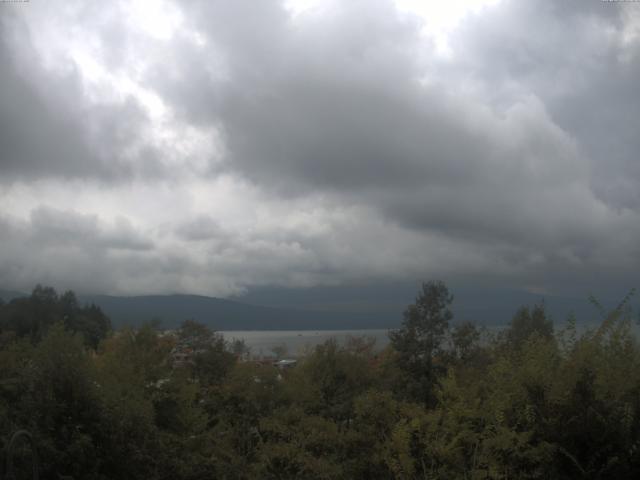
(445, 400)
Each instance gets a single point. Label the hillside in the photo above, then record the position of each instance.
(229, 315)
(7, 295)
(295, 310)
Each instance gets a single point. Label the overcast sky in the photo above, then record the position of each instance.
(213, 147)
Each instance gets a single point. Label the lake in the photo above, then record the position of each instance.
(261, 342)
(296, 342)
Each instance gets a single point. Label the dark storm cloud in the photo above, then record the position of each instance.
(500, 159)
(324, 106)
(350, 101)
(509, 144)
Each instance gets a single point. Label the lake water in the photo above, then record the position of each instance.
(296, 342)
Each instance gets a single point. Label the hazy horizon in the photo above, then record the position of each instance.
(320, 150)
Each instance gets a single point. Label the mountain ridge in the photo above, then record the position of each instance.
(284, 311)
(223, 314)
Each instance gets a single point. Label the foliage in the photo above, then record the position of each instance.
(527, 322)
(438, 403)
(420, 340)
(31, 317)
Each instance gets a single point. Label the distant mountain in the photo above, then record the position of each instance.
(332, 308)
(498, 307)
(481, 308)
(490, 306)
(228, 315)
(8, 295)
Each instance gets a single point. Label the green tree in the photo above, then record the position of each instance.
(240, 348)
(419, 341)
(329, 379)
(196, 334)
(90, 321)
(298, 445)
(213, 363)
(465, 338)
(527, 322)
(64, 406)
(211, 360)
(31, 317)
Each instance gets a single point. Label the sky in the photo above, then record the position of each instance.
(227, 147)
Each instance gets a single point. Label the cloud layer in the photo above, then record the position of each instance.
(210, 147)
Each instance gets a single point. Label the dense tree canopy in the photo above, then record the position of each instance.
(31, 317)
(527, 322)
(419, 342)
(529, 403)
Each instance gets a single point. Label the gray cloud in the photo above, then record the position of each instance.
(511, 159)
(85, 231)
(586, 79)
(38, 134)
(49, 124)
(335, 103)
(201, 228)
(68, 249)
